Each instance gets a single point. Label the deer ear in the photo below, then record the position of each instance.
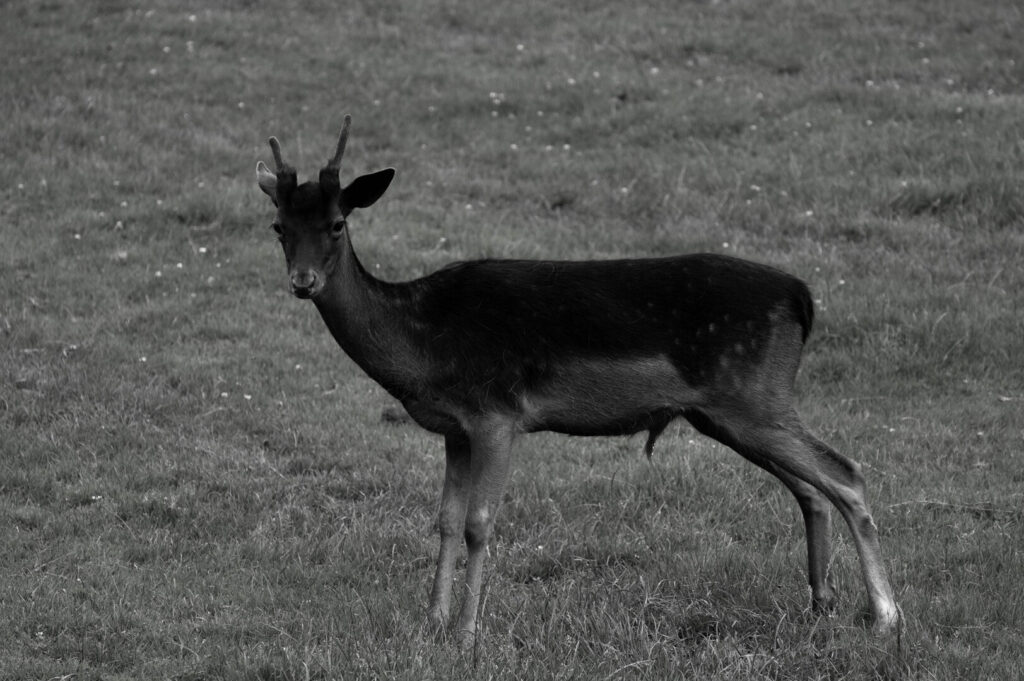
(365, 190)
(267, 181)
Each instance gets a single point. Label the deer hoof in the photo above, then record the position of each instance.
(887, 623)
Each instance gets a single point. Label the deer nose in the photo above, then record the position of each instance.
(304, 283)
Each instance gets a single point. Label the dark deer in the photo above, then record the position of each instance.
(483, 351)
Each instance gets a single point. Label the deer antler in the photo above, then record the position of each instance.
(275, 147)
(335, 162)
(286, 178)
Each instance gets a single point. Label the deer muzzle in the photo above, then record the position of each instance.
(305, 283)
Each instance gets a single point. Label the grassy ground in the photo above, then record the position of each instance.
(195, 483)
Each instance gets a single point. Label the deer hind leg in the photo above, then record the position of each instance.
(785, 444)
(489, 470)
(841, 480)
(818, 524)
(802, 455)
(451, 522)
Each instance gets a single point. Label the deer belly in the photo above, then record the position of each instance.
(607, 397)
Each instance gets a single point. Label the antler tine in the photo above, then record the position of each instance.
(275, 147)
(335, 162)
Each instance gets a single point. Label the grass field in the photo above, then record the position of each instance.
(195, 482)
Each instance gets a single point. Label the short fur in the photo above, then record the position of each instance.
(484, 351)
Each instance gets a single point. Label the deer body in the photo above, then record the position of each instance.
(481, 352)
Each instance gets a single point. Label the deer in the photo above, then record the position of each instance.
(484, 351)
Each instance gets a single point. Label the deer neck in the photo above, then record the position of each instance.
(371, 321)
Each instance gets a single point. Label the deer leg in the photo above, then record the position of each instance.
(818, 524)
(489, 470)
(818, 529)
(841, 480)
(784, 443)
(451, 522)
(788, 445)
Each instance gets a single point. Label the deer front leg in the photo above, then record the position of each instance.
(489, 469)
(452, 522)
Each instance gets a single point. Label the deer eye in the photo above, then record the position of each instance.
(337, 227)
(278, 229)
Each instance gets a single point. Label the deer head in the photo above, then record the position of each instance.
(312, 217)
